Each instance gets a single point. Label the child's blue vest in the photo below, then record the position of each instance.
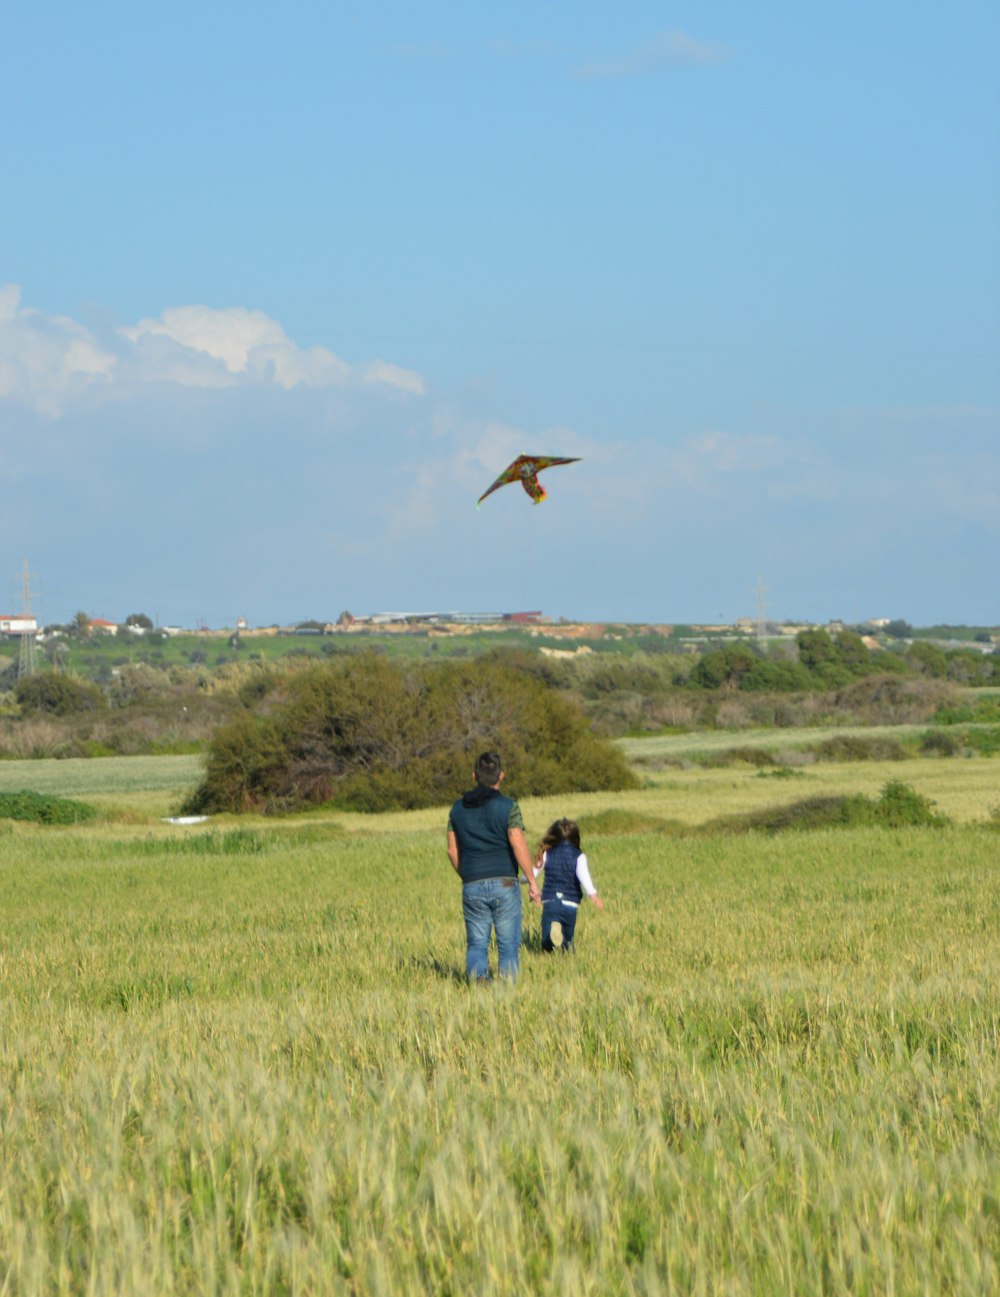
(560, 873)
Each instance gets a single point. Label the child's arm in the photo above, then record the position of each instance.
(586, 882)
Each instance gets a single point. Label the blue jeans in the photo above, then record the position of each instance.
(557, 910)
(492, 903)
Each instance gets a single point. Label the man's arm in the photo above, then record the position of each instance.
(523, 857)
(453, 850)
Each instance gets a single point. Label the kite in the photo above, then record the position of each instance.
(525, 469)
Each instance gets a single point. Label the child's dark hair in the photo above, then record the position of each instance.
(561, 831)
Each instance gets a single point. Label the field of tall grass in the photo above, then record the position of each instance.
(241, 1057)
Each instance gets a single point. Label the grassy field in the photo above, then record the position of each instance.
(650, 751)
(241, 1057)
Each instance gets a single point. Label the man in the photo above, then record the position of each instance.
(485, 846)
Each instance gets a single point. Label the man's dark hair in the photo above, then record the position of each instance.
(488, 769)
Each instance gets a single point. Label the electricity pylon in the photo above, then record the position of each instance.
(26, 665)
(761, 625)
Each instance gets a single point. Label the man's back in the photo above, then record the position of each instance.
(480, 820)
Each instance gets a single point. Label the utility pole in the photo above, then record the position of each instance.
(761, 631)
(26, 656)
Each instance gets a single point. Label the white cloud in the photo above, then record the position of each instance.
(407, 380)
(242, 342)
(10, 300)
(663, 51)
(47, 361)
(228, 335)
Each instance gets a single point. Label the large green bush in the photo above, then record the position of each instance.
(58, 695)
(373, 733)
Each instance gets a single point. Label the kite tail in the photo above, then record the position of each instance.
(535, 489)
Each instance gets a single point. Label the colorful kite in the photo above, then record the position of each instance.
(525, 469)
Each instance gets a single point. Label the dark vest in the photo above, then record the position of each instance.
(479, 820)
(560, 873)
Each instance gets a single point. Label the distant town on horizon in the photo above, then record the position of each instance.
(872, 630)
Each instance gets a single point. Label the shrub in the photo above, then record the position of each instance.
(857, 747)
(245, 762)
(893, 699)
(778, 676)
(972, 668)
(722, 668)
(898, 806)
(984, 710)
(985, 741)
(927, 659)
(746, 755)
(942, 743)
(373, 733)
(732, 713)
(57, 695)
(40, 808)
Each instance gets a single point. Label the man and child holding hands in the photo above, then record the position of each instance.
(487, 847)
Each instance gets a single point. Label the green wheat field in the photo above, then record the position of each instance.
(241, 1058)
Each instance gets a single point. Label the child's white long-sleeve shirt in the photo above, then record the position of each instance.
(582, 872)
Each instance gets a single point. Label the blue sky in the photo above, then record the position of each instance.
(286, 288)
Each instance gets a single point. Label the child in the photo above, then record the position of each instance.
(566, 879)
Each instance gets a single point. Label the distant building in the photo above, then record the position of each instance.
(105, 627)
(17, 624)
(453, 618)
